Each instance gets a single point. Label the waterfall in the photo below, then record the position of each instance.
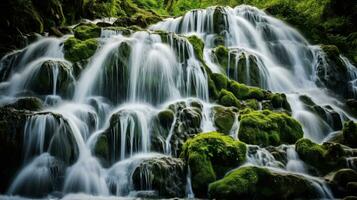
(141, 95)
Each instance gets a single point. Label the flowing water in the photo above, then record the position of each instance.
(132, 78)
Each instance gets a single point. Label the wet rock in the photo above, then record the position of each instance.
(342, 181)
(42, 80)
(350, 133)
(325, 113)
(223, 119)
(26, 103)
(325, 157)
(165, 175)
(114, 82)
(187, 124)
(210, 156)
(332, 72)
(12, 124)
(220, 20)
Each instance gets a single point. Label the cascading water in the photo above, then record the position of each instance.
(134, 79)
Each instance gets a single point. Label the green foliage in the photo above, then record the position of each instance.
(268, 128)
(210, 156)
(325, 157)
(76, 50)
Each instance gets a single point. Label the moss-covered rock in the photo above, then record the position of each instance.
(223, 118)
(166, 175)
(268, 128)
(26, 103)
(240, 66)
(332, 72)
(197, 45)
(122, 139)
(114, 80)
(220, 81)
(350, 133)
(52, 73)
(220, 20)
(243, 92)
(101, 150)
(325, 113)
(166, 118)
(58, 140)
(188, 117)
(222, 54)
(325, 157)
(86, 31)
(76, 50)
(342, 181)
(12, 124)
(210, 156)
(261, 183)
(226, 98)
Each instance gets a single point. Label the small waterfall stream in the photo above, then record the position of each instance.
(132, 78)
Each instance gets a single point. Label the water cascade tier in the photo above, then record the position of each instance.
(180, 109)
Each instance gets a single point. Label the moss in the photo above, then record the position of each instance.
(251, 183)
(41, 81)
(222, 53)
(331, 50)
(252, 104)
(280, 101)
(213, 92)
(350, 133)
(268, 128)
(166, 118)
(325, 157)
(226, 98)
(87, 31)
(220, 81)
(76, 50)
(27, 103)
(210, 156)
(219, 20)
(243, 92)
(198, 46)
(101, 148)
(223, 119)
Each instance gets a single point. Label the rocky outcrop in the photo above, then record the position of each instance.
(261, 183)
(165, 175)
(210, 156)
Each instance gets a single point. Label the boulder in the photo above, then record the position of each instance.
(325, 157)
(266, 128)
(224, 118)
(262, 183)
(210, 156)
(166, 175)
